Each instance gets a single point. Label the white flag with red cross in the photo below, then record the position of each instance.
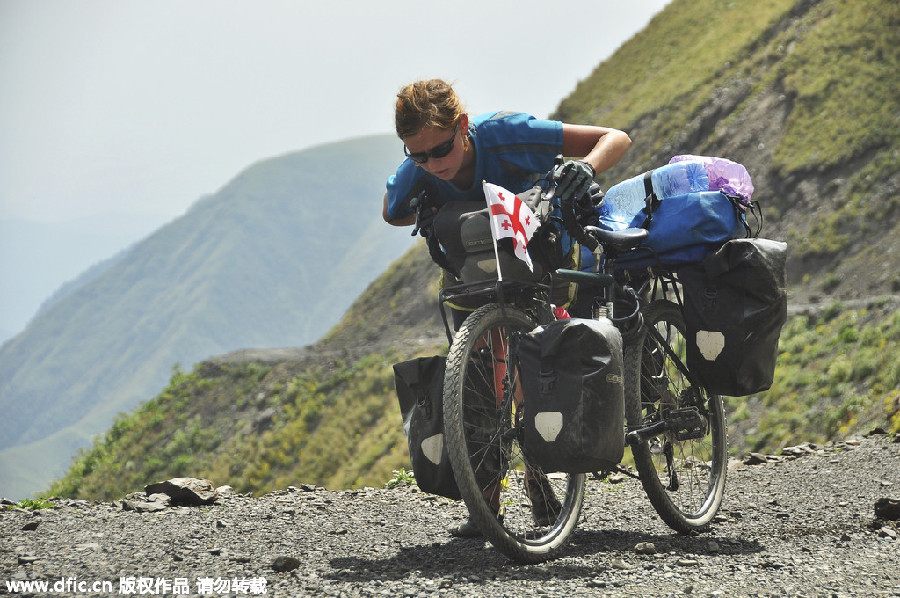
(511, 217)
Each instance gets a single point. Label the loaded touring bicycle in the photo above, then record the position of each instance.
(529, 400)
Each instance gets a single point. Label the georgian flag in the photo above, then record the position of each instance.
(510, 217)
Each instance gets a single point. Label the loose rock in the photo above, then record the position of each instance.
(887, 508)
(283, 564)
(186, 492)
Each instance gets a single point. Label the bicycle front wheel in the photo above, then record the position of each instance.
(525, 512)
(682, 467)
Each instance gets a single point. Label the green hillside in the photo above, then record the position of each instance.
(245, 267)
(804, 93)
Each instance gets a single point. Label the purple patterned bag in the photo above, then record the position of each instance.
(723, 175)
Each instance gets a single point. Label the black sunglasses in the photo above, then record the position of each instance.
(438, 151)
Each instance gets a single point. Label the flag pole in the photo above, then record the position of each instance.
(494, 233)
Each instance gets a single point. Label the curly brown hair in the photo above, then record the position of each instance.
(430, 103)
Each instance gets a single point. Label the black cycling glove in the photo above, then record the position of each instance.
(573, 179)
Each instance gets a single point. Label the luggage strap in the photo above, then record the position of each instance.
(651, 201)
(437, 254)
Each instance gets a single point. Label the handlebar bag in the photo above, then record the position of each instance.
(735, 305)
(463, 229)
(420, 387)
(574, 406)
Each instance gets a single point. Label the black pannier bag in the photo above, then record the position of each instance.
(420, 389)
(735, 304)
(572, 376)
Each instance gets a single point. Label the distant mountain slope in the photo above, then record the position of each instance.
(273, 259)
(266, 419)
(36, 257)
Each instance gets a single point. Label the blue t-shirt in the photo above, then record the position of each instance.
(511, 150)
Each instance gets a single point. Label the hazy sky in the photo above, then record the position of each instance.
(116, 115)
(142, 106)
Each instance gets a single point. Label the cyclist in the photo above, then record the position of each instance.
(452, 153)
(456, 153)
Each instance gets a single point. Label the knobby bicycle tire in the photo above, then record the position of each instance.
(683, 473)
(526, 513)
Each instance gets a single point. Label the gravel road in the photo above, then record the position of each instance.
(797, 525)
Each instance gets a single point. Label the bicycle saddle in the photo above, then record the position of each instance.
(619, 240)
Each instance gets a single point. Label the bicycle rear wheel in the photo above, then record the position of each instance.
(683, 467)
(526, 513)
